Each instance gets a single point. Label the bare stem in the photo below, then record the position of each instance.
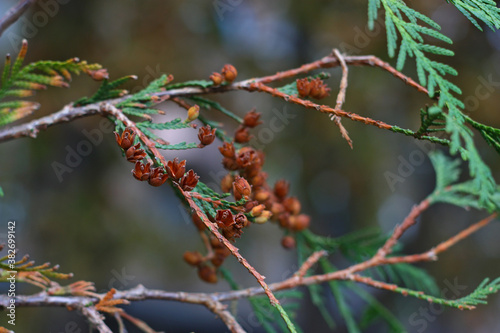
(14, 13)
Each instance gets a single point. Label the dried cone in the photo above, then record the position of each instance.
(299, 222)
(303, 87)
(126, 140)
(176, 169)
(252, 119)
(193, 258)
(189, 181)
(206, 135)
(135, 154)
(242, 135)
(288, 242)
(141, 171)
(281, 188)
(157, 177)
(227, 150)
(207, 273)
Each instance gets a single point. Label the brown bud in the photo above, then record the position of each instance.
(157, 177)
(229, 72)
(284, 220)
(262, 195)
(259, 179)
(257, 210)
(206, 135)
(263, 217)
(216, 78)
(288, 242)
(299, 222)
(193, 258)
(193, 113)
(126, 140)
(176, 169)
(242, 135)
(207, 273)
(292, 205)
(241, 188)
(135, 154)
(227, 183)
(277, 208)
(252, 119)
(227, 149)
(189, 180)
(141, 171)
(281, 188)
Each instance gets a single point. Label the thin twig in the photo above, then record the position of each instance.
(322, 108)
(410, 220)
(313, 259)
(70, 112)
(14, 13)
(341, 97)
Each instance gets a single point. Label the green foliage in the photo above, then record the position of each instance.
(192, 83)
(430, 73)
(465, 194)
(485, 10)
(169, 125)
(209, 104)
(358, 246)
(267, 316)
(27, 271)
(107, 90)
(410, 24)
(19, 82)
(478, 296)
(178, 146)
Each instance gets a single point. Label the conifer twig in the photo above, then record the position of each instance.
(14, 13)
(341, 97)
(70, 112)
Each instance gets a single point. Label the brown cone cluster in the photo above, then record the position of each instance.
(174, 170)
(247, 180)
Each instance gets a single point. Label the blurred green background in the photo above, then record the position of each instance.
(99, 223)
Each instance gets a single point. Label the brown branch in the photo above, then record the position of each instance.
(234, 250)
(313, 259)
(70, 112)
(14, 13)
(213, 301)
(322, 108)
(410, 220)
(341, 97)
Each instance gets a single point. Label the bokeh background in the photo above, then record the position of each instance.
(99, 223)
